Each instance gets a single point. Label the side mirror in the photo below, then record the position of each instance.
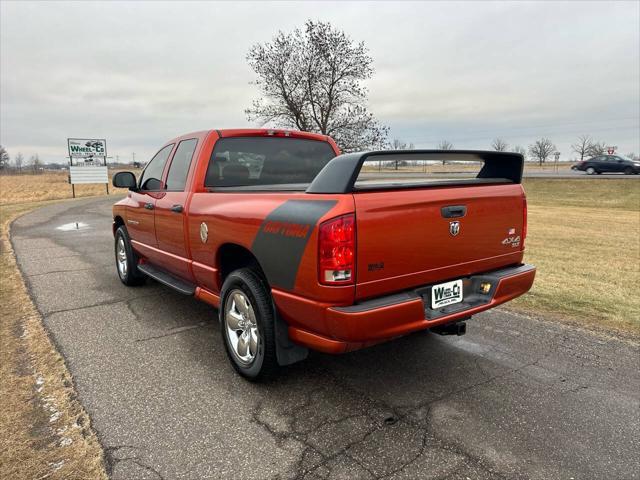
(125, 180)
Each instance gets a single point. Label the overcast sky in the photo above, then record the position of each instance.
(140, 73)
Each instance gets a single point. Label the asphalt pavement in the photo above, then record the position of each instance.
(516, 397)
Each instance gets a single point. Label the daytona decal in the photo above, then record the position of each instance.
(283, 236)
(287, 229)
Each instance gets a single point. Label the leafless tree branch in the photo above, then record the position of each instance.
(311, 80)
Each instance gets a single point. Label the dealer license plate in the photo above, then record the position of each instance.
(446, 294)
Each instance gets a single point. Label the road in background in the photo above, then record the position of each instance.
(561, 174)
(514, 398)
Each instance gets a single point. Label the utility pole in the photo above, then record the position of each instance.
(134, 157)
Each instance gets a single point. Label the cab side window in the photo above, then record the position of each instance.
(177, 177)
(151, 178)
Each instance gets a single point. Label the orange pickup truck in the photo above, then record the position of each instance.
(299, 247)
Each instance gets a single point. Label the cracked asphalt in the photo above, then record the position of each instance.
(516, 397)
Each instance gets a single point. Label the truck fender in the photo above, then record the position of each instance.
(283, 236)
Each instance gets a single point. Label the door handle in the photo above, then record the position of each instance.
(148, 206)
(177, 208)
(454, 211)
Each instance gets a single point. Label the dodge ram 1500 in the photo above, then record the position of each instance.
(299, 248)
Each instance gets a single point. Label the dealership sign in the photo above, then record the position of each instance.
(84, 170)
(87, 148)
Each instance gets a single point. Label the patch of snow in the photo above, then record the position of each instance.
(56, 465)
(65, 442)
(39, 383)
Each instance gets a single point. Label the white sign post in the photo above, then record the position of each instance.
(90, 156)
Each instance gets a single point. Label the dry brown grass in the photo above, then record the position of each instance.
(47, 186)
(44, 431)
(584, 237)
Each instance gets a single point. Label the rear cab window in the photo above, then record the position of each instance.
(266, 161)
(179, 168)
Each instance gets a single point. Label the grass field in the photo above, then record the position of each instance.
(46, 186)
(584, 237)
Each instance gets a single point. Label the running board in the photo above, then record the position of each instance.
(167, 279)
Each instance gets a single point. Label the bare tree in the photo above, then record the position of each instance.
(35, 163)
(581, 147)
(397, 144)
(596, 149)
(311, 80)
(400, 145)
(499, 145)
(445, 145)
(521, 150)
(632, 156)
(4, 158)
(18, 160)
(541, 149)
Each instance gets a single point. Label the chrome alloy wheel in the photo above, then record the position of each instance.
(242, 328)
(121, 258)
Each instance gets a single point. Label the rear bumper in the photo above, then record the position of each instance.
(374, 321)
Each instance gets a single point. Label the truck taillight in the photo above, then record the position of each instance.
(337, 250)
(524, 220)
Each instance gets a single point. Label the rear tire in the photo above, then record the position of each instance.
(591, 171)
(126, 259)
(247, 324)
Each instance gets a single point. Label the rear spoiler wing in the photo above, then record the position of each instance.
(341, 173)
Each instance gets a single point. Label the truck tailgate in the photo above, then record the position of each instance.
(418, 236)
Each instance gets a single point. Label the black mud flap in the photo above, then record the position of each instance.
(287, 352)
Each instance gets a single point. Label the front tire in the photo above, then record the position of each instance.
(591, 171)
(126, 259)
(247, 325)
(628, 171)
